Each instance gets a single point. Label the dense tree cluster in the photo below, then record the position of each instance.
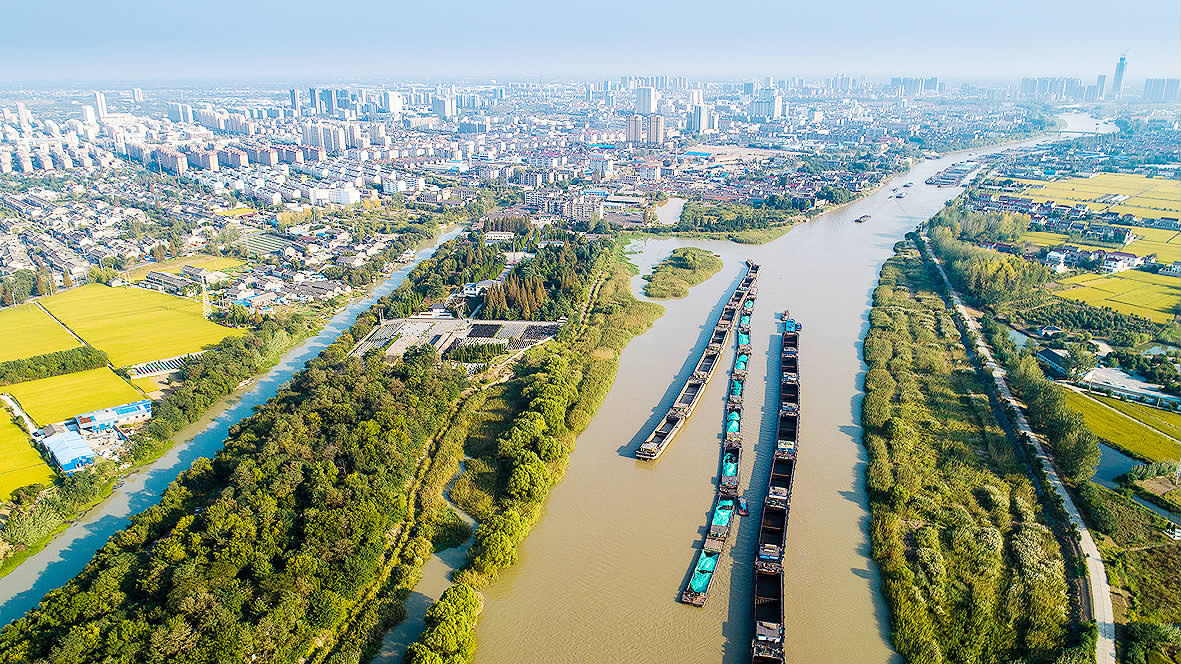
(990, 277)
(978, 226)
(547, 286)
(450, 633)
(260, 552)
(728, 217)
(1072, 315)
(51, 364)
(969, 570)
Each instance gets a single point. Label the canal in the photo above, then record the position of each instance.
(69, 552)
(598, 579)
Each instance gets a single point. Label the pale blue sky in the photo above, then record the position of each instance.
(297, 41)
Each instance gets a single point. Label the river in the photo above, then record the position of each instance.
(69, 552)
(598, 579)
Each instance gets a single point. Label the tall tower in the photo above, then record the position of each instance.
(100, 104)
(1117, 83)
(645, 101)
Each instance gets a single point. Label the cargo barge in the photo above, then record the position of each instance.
(707, 364)
(767, 644)
(726, 498)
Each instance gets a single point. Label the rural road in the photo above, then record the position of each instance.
(1101, 607)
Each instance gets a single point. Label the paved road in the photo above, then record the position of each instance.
(20, 413)
(1101, 607)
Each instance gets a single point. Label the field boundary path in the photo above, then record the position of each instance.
(16, 408)
(59, 322)
(1101, 607)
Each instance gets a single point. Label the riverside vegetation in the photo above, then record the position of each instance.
(523, 441)
(684, 268)
(970, 569)
(1141, 561)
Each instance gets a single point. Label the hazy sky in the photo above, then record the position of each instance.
(301, 41)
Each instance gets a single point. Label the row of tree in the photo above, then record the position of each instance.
(990, 277)
(51, 364)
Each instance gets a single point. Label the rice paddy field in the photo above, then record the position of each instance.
(1152, 296)
(1123, 431)
(50, 400)
(1167, 422)
(29, 331)
(174, 265)
(135, 325)
(20, 463)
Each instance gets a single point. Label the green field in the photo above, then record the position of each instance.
(20, 464)
(1166, 422)
(28, 331)
(1122, 431)
(61, 397)
(1152, 296)
(135, 325)
(174, 265)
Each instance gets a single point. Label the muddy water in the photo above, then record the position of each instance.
(598, 579)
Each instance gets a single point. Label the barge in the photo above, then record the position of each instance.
(726, 498)
(767, 643)
(707, 364)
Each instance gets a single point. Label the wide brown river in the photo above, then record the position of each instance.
(598, 579)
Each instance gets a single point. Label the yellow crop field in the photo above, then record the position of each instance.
(174, 265)
(59, 398)
(1166, 251)
(20, 463)
(29, 331)
(1045, 239)
(135, 325)
(235, 212)
(1147, 197)
(1151, 296)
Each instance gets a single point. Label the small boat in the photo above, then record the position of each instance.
(908, 184)
(742, 509)
(862, 219)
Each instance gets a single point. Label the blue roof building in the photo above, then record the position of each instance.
(109, 417)
(69, 450)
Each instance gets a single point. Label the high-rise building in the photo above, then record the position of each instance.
(1160, 89)
(137, 95)
(635, 129)
(314, 96)
(100, 104)
(444, 107)
(698, 119)
(645, 100)
(655, 129)
(1117, 82)
(88, 116)
(295, 100)
(1101, 84)
(696, 97)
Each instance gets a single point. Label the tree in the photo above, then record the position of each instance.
(67, 280)
(158, 253)
(1080, 360)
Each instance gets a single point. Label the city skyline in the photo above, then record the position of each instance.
(530, 40)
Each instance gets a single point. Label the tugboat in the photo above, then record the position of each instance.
(742, 509)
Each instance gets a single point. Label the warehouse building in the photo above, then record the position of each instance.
(67, 447)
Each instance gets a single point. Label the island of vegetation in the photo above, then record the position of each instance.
(684, 268)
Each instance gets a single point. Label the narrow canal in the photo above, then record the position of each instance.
(69, 552)
(598, 579)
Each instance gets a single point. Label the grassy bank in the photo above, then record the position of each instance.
(970, 570)
(684, 268)
(1166, 422)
